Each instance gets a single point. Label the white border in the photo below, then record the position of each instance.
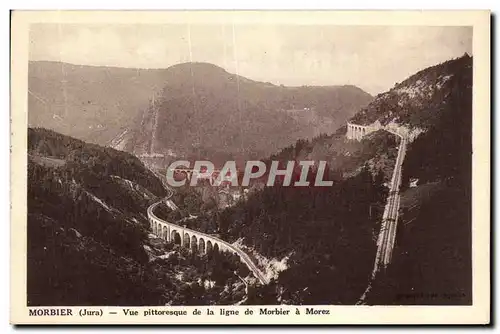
(482, 126)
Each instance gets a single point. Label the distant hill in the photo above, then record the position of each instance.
(190, 109)
(92, 103)
(207, 112)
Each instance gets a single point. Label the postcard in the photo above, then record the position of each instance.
(250, 167)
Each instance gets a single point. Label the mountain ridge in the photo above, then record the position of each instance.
(207, 111)
(99, 103)
(419, 100)
(55, 62)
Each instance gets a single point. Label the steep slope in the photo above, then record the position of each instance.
(86, 205)
(88, 241)
(432, 261)
(327, 237)
(317, 233)
(191, 108)
(377, 151)
(418, 102)
(93, 103)
(207, 112)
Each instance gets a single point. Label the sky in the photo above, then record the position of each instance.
(373, 58)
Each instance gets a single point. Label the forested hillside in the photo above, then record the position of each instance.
(420, 100)
(344, 157)
(88, 241)
(191, 109)
(432, 254)
(433, 259)
(204, 111)
(320, 231)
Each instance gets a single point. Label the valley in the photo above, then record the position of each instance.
(126, 228)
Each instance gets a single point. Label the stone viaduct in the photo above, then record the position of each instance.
(357, 132)
(197, 241)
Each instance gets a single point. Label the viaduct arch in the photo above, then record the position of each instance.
(357, 132)
(197, 241)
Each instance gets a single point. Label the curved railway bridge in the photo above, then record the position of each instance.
(197, 241)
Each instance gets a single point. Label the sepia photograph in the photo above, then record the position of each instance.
(246, 163)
